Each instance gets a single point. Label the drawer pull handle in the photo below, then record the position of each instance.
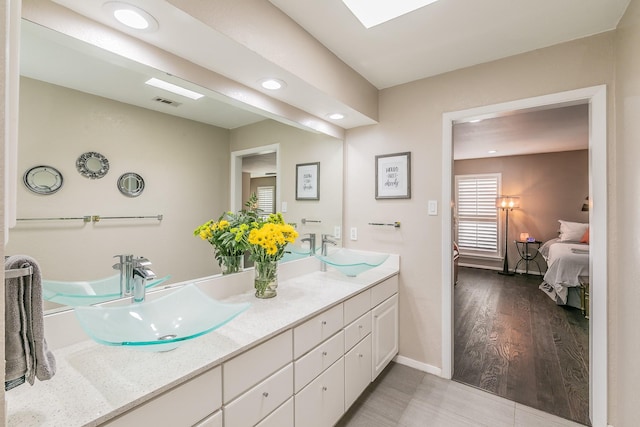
(360, 326)
(324, 322)
(324, 388)
(360, 355)
(265, 394)
(324, 353)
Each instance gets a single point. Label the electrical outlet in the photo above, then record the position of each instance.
(354, 233)
(336, 232)
(432, 207)
(284, 207)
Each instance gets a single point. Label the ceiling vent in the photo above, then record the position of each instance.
(167, 101)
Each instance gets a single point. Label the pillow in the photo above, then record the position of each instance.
(572, 231)
(585, 237)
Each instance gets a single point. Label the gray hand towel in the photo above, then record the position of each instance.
(26, 352)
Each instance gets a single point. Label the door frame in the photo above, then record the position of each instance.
(596, 97)
(235, 191)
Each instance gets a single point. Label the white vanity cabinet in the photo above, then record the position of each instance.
(385, 334)
(186, 405)
(257, 382)
(321, 403)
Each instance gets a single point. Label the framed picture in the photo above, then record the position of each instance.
(393, 176)
(308, 181)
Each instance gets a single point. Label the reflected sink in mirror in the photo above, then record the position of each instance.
(87, 292)
(295, 251)
(158, 325)
(351, 263)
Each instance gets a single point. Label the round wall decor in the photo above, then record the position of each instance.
(43, 179)
(131, 184)
(92, 165)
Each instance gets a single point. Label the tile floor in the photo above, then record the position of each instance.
(405, 397)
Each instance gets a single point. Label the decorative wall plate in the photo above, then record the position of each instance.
(43, 179)
(92, 165)
(130, 184)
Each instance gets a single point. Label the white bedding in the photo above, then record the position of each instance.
(567, 261)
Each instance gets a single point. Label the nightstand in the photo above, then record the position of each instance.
(528, 251)
(584, 295)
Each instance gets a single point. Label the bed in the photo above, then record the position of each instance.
(567, 260)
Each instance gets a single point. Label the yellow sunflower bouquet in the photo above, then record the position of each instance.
(268, 239)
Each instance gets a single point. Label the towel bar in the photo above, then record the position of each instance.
(395, 224)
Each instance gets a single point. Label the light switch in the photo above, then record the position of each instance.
(336, 232)
(433, 207)
(354, 233)
(284, 207)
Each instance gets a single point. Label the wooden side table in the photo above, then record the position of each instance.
(584, 295)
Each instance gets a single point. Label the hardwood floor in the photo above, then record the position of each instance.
(405, 397)
(513, 341)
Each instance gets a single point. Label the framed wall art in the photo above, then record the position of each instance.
(393, 176)
(308, 181)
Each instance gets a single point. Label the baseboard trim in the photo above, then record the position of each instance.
(424, 367)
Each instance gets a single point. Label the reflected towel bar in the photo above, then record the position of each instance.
(97, 218)
(86, 218)
(394, 224)
(304, 220)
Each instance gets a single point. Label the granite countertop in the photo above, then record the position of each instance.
(95, 383)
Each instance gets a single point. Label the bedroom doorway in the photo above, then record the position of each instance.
(595, 98)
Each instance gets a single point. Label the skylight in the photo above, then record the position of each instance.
(374, 12)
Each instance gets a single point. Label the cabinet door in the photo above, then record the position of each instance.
(321, 403)
(385, 334)
(214, 420)
(357, 371)
(281, 417)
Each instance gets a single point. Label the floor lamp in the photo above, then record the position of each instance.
(507, 203)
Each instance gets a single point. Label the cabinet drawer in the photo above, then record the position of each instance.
(357, 371)
(384, 290)
(197, 398)
(357, 330)
(251, 367)
(281, 417)
(317, 360)
(214, 420)
(321, 403)
(315, 330)
(255, 404)
(357, 306)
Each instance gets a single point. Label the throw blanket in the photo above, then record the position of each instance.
(26, 352)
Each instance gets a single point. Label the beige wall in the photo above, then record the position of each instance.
(411, 120)
(299, 146)
(185, 166)
(624, 229)
(551, 186)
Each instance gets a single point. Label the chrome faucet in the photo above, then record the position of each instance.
(134, 273)
(312, 242)
(325, 240)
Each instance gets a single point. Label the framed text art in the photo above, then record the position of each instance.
(308, 181)
(393, 176)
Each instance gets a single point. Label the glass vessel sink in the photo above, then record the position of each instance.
(87, 292)
(293, 252)
(351, 263)
(158, 325)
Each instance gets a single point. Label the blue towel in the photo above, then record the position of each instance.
(26, 351)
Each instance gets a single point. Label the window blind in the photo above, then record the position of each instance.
(477, 216)
(266, 199)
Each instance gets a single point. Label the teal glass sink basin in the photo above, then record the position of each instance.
(351, 263)
(158, 325)
(87, 292)
(293, 252)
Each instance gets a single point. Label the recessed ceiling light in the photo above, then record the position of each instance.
(475, 120)
(272, 84)
(131, 16)
(492, 151)
(336, 116)
(161, 84)
(373, 12)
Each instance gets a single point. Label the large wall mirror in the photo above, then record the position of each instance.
(76, 98)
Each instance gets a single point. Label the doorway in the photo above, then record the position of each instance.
(596, 98)
(254, 163)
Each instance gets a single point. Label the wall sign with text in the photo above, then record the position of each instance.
(308, 181)
(393, 176)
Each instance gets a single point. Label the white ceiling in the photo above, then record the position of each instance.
(440, 37)
(448, 34)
